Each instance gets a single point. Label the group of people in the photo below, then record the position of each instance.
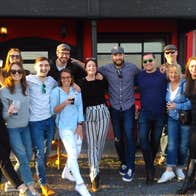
(71, 94)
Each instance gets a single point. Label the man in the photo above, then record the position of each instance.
(64, 61)
(170, 54)
(41, 120)
(120, 76)
(152, 87)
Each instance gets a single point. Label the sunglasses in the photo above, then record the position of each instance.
(17, 56)
(170, 52)
(14, 71)
(119, 73)
(43, 88)
(148, 60)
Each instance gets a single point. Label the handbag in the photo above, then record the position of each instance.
(185, 117)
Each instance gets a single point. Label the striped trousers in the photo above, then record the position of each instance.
(96, 126)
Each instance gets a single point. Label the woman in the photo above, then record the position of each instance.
(190, 74)
(96, 118)
(13, 56)
(178, 134)
(5, 164)
(66, 103)
(15, 101)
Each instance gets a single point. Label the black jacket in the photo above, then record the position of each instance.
(76, 70)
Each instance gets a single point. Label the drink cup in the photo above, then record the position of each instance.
(16, 104)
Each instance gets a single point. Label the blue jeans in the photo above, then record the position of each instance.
(178, 143)
(123, 124)
(42, 134)
(150, 129)
(20, 142)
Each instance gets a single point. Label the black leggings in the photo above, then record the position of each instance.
(8, 170)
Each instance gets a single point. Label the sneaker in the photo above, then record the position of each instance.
(9, 187)
(128, 177)
(123, 170)
(179, 173)
(66, 174)
(82, 190)
(46, 190)
(166, 176)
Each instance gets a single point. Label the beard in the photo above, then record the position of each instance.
(118, 63)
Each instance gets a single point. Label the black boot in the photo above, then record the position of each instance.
(95, 183)
(190, 175)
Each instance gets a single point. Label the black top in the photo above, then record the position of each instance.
(76, 70)
(93, 92)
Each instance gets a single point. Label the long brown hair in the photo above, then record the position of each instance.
(189, 81)
(9, 82)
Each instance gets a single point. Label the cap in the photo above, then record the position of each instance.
(117, 50)
(63, 47)
(170, 47)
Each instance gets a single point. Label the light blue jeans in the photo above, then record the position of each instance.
(20, 142)
(178, 143)
(42, 133)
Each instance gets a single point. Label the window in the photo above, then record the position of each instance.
(133, 51)
(29, 58)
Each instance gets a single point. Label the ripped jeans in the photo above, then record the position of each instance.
(123, 126)
(42, 133)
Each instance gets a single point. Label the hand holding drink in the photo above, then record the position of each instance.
(14, 107)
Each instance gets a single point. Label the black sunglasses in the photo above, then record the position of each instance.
(17, 56)
(14, 71)
(170, 52)
(43, 88)
(119, 73)
(147, 60)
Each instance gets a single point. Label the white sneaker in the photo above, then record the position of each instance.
(166, 176)
(66, 174)
(82, 190)
(9, 187)
(180, 174)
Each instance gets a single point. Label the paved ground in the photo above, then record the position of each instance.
(111, 183)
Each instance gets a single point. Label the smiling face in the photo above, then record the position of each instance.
(42, 68)
(171, 56)
(16, 72)
(173, 73)
(63, 56)
(91, 68)
(15, 57)
(66, 79)
(192, 69)
(118, 59)
(149, 63)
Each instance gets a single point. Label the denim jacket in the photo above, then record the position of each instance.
(181, 101)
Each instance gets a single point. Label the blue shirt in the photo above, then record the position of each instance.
(70, 115)
(181, 101)
(120, 85)
(152, 87)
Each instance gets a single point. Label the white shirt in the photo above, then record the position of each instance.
(39, 101)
